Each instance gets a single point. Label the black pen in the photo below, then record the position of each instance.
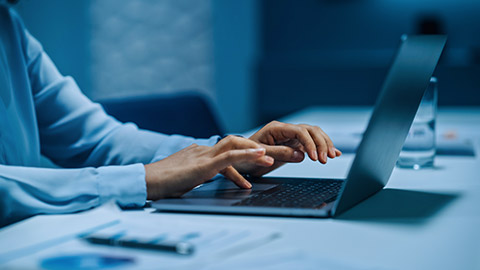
(179, 247)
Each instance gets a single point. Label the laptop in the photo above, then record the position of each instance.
(371, 168)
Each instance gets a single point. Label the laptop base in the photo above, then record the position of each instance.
(223, 197)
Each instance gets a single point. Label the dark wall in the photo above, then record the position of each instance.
(63, 29)
(332, 53)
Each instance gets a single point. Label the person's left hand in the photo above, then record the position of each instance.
(289, 143)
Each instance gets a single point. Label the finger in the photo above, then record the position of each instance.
(330, 151)
(234, 142)
(321, 145)
(301, 134)
(320, 137)
(276, 133)
(230, 157)
(261, 171)
(284, 153)
(338, 152)
(265, 161)
(233, 175)
(324, 143)
(330, 146)
(295, 144)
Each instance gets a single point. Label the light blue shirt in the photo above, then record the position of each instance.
(45, 113)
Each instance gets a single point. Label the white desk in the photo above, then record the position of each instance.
(427, 219)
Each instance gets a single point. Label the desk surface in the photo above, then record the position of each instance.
(426, 219)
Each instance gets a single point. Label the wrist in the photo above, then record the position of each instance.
(150, 182)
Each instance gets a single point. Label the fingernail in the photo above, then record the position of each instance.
(269, 159)
(249, 185)
(332, 151)
(315, 156)
(297, 155)
(324, 156)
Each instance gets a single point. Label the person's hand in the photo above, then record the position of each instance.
(289, 143)
(182, 171)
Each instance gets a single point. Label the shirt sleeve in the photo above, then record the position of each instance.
(101, 158)
(76, 132)
(27, 191)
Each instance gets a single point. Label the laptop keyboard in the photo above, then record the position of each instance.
(305, 194)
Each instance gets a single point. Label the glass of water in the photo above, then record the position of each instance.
(419, 148)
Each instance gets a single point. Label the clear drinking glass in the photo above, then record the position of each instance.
(419, 148)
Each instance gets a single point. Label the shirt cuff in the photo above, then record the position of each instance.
(124, 184)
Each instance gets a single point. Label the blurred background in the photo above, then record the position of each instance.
(257, 60)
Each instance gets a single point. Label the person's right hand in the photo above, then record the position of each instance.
(189, 167)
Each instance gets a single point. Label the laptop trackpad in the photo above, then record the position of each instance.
(220, 192)
(225, 189)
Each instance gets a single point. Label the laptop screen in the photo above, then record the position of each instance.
(391, 119)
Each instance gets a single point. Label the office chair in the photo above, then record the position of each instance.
(187, 113)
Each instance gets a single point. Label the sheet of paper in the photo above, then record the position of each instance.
(42, 231)
(213, 243)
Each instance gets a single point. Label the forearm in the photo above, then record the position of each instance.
(26, 191)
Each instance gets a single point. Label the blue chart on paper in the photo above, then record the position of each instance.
(85, 261)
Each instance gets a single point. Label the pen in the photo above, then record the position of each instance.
(179, 247)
